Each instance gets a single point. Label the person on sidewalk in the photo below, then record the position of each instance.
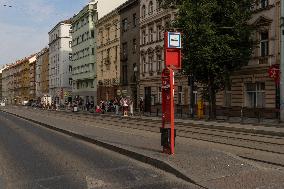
(130, 103)
(125, 107)
(116, 106)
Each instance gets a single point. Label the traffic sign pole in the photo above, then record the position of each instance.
(172, 58)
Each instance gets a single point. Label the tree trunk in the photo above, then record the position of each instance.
(212, 99)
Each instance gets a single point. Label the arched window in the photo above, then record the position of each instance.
(143, 11)
(159, 4)
(150, 7)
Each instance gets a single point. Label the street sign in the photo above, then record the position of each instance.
(172, 48)
(274, 73)
(174, 40)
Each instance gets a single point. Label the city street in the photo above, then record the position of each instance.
(254, 163)
(35, 157)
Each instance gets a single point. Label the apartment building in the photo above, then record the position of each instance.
(42, 73)
(130, 46)
(108, 55)
(6, 77)
(19, 80)
(60, 56)
(252, 93)
(154, 21)
(84, 53)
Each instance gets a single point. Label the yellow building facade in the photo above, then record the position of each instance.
(108, 55)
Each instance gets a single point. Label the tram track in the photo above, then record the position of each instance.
(265, 143)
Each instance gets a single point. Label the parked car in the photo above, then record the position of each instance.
(2, 104)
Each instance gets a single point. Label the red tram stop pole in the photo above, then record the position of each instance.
(172, 62)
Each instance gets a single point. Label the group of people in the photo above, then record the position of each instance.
(124, 104)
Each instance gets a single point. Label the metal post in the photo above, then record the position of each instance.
(282, 63)
(191, 104)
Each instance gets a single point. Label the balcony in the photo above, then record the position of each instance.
(263, 60)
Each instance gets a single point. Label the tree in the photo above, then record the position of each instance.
(217, 41)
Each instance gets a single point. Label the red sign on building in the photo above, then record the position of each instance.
(274, 73)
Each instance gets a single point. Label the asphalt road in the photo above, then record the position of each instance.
(33, 157)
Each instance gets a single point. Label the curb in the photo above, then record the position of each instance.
(160, 164)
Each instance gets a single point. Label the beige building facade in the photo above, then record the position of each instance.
(252, 93)
(42, 73)
(108, 55)
(154, 21)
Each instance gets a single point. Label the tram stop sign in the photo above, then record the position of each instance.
(173, 50)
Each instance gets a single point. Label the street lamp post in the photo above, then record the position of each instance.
(282, 62)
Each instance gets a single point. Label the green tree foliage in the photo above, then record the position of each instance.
(216, 41)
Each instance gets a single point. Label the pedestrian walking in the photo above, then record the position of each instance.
(116, 106)
(125, 107)
(141, 105)
(130, 103)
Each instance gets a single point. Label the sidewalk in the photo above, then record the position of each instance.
(193, 162)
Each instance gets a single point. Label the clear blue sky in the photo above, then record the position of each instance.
(25, 25)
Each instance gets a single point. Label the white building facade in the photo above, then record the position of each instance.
(84, 54)
(60, 56)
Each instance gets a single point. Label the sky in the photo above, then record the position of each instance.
(24, 24)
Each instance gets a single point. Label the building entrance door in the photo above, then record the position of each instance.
(147, 92)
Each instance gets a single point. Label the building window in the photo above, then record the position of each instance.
(255, 95)
(93, 51)
(70, 69)
(159, 4)
(180, 95)
(151, 35)
(134, 20)
(159, 62)
(124, 50)
(143, 11)
(70, 56)
(144, 64)
(151, 63)
(160, 95)
(159, 33)
(124, 25)
(143, 37)
(115, 56)
(92, 34)
(115, 32)
(108, 34)
(264, 45)
(70, 44)
(134, 46)
(150, 7)
(263, 3)
(124, 74)
(70, 81)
